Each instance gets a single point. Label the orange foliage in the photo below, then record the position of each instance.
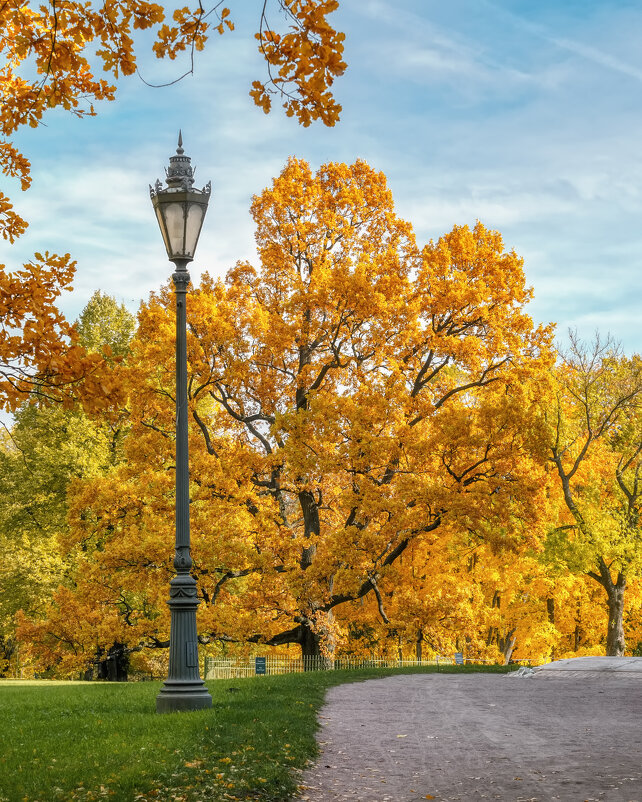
(57, 43)
(39, 352)
(307, 59)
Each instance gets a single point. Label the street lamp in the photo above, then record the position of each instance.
(180, 210)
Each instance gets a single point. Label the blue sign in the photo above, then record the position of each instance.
(459, 659)
(260, 665)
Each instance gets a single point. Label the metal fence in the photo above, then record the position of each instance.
(232, 667)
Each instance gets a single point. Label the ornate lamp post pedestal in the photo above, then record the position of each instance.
(180, 210)
(183, 689)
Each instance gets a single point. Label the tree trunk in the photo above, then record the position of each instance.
(420, 641)
(310, 642)
(550, 611)
(615, 643)
(7, 650)
(114, 667)
(577, 632)
(507, 645)
(311, 526)
(313, 657)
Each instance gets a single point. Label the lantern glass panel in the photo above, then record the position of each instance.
(195, 214)
(161, 225)
(175, 223)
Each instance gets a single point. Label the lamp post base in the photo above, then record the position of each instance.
(183, 689)
(180, 696)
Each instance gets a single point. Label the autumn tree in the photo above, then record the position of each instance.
(41, 453)
(595, 442)
(349, 397)
(483, 593)
(431, 605)
(528, 612)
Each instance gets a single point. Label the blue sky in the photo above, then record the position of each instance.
(527, 116)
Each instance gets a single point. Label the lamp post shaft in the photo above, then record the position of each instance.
(183, 689)
(182, 559)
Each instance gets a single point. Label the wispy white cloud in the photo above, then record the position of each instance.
(422, 50)
(589, 52)
(596, 56)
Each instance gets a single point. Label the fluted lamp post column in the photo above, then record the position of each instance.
(180, 210)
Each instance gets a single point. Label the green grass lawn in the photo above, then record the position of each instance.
(92, 741)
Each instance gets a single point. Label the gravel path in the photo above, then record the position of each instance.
(481, 736)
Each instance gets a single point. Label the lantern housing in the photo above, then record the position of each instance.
(180, 209)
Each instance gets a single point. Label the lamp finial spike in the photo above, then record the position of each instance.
(179, 149)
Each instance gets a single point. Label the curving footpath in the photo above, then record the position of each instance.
(570, 730)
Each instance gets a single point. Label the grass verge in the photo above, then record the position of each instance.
(93, 741)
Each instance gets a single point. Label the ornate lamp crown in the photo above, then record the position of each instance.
(180, 174)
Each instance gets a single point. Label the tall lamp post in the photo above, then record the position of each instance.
(180, 210)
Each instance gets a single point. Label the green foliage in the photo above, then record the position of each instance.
(595, 441)
(562, 553)
(46, 449)
(103, 322)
